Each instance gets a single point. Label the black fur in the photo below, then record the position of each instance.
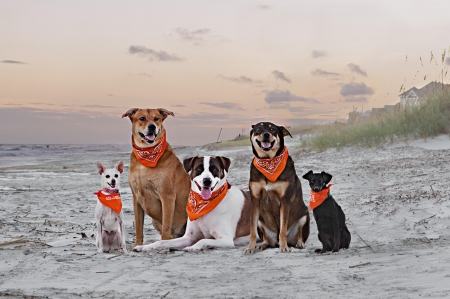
(330, 219)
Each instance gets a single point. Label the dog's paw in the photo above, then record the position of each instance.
(300, 245)
(318, 250)
(262, 246)
(250, 250)
(193, 248)
(138, 248)
(285, 248)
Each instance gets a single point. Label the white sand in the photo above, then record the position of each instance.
(396, 198)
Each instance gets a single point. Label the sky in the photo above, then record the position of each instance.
(70, 69)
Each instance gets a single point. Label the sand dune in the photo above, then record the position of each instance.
(396, 198)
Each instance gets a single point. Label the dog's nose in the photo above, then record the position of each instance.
(207, 182)
(317, 189)
(266, 135)
(113, 181)
(151, 127)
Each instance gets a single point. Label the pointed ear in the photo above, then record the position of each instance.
(165, 113)
(253, 126)
(307, 176)
(188, 163)
(225, 162)
(101, 168)
(130, 112)
(284, 131)
(119, 166)
(326, 177)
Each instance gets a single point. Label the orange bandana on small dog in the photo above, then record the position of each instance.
(149, 156)
(197, 206)
(317, 198)
(272, 168)
(112, 201)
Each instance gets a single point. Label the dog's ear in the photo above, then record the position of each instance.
(119, 166)
(307, 176)
(101, 168)
(326, 177)
(165, 113)
(187, 163)
(284, 131)
(225, 162)
(130, 113)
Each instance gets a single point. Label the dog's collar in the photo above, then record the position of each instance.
(149, 156)
(112, 201)
(110, 191)
(317, 198)
(272, 168)
(197, 206)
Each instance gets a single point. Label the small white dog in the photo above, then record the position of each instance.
(108, 212)
(219, 214)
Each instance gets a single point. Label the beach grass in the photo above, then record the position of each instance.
(429, 119)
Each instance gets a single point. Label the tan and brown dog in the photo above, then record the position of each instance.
(157, 179)
(278, 212)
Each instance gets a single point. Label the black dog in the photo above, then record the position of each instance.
(333, 232)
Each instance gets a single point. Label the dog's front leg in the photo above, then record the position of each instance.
(122, 234)
(224, 242)
(168, 207)
(138, 221)
(256, 193)
(99, 237)
(284, 218)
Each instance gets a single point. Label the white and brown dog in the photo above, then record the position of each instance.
(108, 212)
(219, 214)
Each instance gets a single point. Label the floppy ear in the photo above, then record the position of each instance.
(130, 112)
(187, 163)
(119, 166)
(101, 168)
(165, 113)
(284, 131)
(326, 177)
(225, 162)
(307, 176)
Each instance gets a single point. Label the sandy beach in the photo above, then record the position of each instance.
(395, 197)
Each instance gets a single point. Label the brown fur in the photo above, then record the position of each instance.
(160, 192)
(277, 207)
(243, 226)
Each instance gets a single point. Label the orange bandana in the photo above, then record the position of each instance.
(197, 206)
(149, 156)
(272, 168)
(317, 198)
(112, 201)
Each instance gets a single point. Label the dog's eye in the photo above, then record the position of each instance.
(116, 176)
(142, 118)
(156, 119)
(214, 170)
(107, 176)
(272, 131)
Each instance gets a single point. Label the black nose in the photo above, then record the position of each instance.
(266, 135)
(113, 181)
(151, 127)
(207, 182)
(317, 189)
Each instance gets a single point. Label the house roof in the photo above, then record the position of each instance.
(427, 90)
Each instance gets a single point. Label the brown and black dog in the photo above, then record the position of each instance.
(279, 214)
(157, 179)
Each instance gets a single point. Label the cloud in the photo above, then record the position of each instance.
(241, 79)
(357, 69)
(319, 72)
(281, 76)
(110, 95)
(13, 62)
(264, 7)
(285, 96)
(356, 99)
(178, 106)
(97, 106)
(145, 75)
(447, 61)
(195, 36)
(352, 89)
(225, 105)
(153, 55)
(318, 54)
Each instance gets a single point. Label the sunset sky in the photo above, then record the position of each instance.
(70, 69)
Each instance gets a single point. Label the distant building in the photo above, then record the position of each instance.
(413, 96)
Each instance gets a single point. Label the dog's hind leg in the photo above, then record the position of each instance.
(299, 232)
(123, 244)
(138, 221)
(223, 242)
(168, 207)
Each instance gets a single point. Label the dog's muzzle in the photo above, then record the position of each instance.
(266, 144)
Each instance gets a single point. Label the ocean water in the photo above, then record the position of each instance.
(32, 154)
